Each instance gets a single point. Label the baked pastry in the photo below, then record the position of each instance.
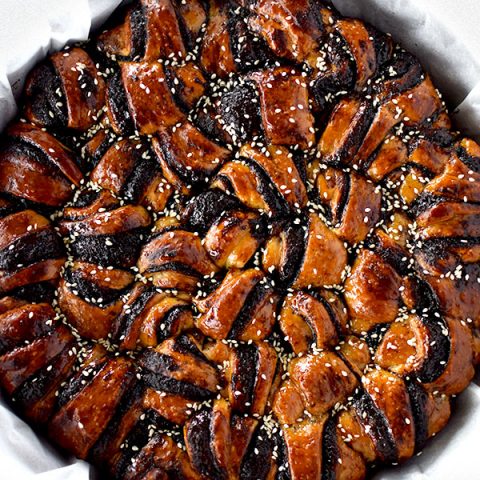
(238, 240)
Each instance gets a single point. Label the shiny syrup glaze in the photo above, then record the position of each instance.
(270, 256)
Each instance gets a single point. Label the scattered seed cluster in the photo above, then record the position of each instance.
(270, 246)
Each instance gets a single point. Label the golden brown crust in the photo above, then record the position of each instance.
(147, 93)
(372, 292)
(280, 89)
(256, 250)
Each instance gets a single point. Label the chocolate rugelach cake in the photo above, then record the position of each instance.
(238, 240)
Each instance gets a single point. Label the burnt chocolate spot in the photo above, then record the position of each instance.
(189, 38)
(158, 362)
(89, 162)
(342, 78)
(405, 67)
(375, 336)
(158, 368)
(24, 148)
(427, 306)
(207, 121)
(350, 147)
(176, 387)
(435, 364)
(175, 267)
(184, 345)
(393, 255)
(169, 321)
(424, 202)
(282, 457)
(190, 175)
(138, 438)
(269, 190)
(86, 198)
(473, 163)
(331, 312)
(383, 46)
(345, 186)
(252, 52)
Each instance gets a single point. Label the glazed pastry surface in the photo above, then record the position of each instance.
(239, 240)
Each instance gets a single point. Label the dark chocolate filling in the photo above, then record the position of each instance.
(240, 110)
(88, 288)
(128, 317)
(257, 462)
(244, 377)
(31, 392)
(258, 293)
(122, 253)
(330, 451)
(198, 437)
(30, 249)
(418, 402)
(77, 383)
(204, 209)
(380, 430)
(117, 99)
(43, 96)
